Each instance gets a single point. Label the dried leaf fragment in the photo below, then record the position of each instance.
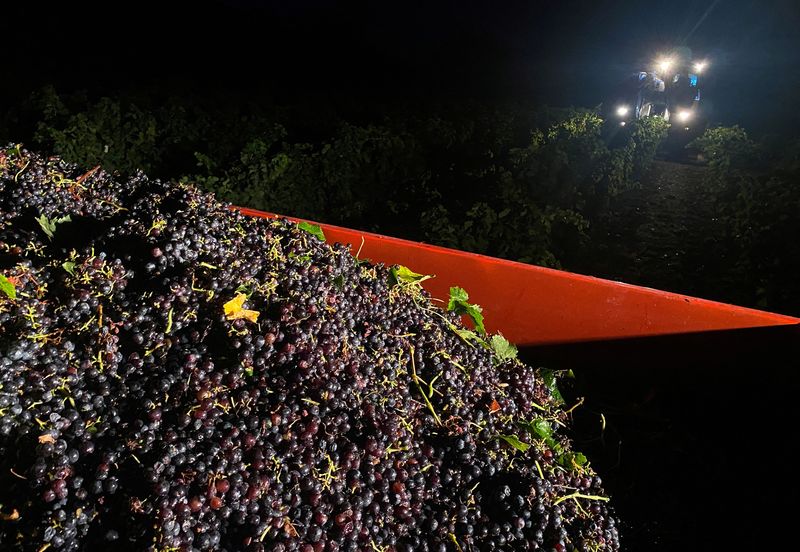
(234, 310)
(13, 516)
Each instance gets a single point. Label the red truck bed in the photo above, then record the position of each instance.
(532, 305)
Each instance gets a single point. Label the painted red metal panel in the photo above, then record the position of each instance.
(532, 305)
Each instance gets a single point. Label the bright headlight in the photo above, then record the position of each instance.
(699, 66)
(664, 65)
(684, 116)
(622, 110)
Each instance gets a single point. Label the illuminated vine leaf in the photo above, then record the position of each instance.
(312, 229)
(457, 295)
(7, 287)
(503, 349)
(550, 381)
(49, 225)
(234, 309)
(514, 441)
(403, 275)
(459, 304)
(572, 460)
(539, 427)
(466, 335)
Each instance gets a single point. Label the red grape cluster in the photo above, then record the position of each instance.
(175, 376)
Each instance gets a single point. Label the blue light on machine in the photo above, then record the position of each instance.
(693, 79)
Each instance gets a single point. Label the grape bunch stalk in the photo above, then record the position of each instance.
(175, 376)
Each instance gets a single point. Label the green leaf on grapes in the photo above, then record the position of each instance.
(7, 287)
(457, 296)
(550, 381)
(245, 290)
(249, 371)
(465, 334)
(459, 304)
(539, 427)
(312, 229)
(69, 267)
(503, 349)
(475, 312)
(403, 275)
(572, 460)
(338, 281)
(49, 225)
(514, 441)
(305, 258)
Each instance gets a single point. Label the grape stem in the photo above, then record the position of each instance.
(580, 495)
(421, 391)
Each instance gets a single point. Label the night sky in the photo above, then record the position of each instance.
(556, 53)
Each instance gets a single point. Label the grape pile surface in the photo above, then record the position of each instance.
(175, 376)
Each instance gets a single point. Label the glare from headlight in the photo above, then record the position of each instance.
(664, 65)
(622, 110)
(684, 116)
(699, 66)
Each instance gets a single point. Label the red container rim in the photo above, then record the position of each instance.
(533, 305)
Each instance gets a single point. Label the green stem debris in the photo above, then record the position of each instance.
(422, 391)
(580, 495)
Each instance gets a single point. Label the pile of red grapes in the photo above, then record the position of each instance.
(175, 376)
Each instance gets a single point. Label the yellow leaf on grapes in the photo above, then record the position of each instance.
(233, 309)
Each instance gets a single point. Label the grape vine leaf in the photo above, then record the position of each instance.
(69, 267)
(7, 287)
(459, 303)
(514, 441)
(402, 274)
(234, 310)
(49, 225)
(466, 335)
(244, 289)
(550, 381)
(503, 349)
(312, 229)
(457, 295)
(305, 258)
(572, 459)
(539, 427)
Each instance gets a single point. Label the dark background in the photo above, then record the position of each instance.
(558, 53)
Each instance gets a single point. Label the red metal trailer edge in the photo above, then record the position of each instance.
(533, 305)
